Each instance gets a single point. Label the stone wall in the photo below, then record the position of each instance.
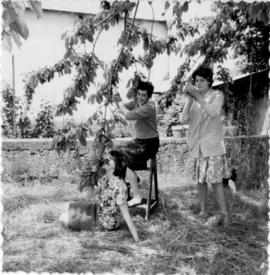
(34, 158)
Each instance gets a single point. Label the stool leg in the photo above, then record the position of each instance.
(128, 191)
(156, 182)
(150, 180)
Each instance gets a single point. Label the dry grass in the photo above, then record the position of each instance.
(173, 240)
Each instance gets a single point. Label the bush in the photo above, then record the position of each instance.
(44, 126)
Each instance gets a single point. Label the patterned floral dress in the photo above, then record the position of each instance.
(210, 169)
(112, 194)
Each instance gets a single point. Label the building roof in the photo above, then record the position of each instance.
(93, 7)
(240, 77)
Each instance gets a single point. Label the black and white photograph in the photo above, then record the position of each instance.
(135, 137)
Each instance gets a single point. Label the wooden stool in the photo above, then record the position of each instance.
(150, 202)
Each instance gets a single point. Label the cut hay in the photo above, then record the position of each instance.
(173, 241)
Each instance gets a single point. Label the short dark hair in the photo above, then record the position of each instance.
(146, 86)
(203, 71)
(120, 162)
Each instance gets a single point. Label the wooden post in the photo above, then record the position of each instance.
(249, 105)
(13, 87)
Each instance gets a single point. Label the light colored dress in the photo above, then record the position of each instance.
(206, 139)
(112, 194)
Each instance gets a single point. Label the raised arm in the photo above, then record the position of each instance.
(138, 113)
(184, 116)
(123, 107)
(212, 108)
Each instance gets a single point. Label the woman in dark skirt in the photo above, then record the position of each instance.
(138, 151)
(146, 143)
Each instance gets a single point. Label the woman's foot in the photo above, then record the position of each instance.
(203, 215)
(224, 220)
(232, 186)
(219, 220)
(135, 201)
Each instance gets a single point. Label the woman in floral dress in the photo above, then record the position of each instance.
(110, 206)
(112, 194)
(205, 138)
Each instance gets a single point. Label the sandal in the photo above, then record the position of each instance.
(134, 202)
(203, 216)
(224, 221)
(219, 220)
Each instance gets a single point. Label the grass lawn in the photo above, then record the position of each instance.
(173, 240)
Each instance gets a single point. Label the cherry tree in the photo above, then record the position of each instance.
(242, 27)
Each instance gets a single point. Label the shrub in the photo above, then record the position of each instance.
(44, 126)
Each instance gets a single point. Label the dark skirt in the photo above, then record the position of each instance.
(139, 151)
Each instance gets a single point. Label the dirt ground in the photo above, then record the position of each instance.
(174, 240)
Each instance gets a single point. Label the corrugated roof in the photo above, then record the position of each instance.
(93, 7)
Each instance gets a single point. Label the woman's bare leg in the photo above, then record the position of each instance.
(202, 191)
(132, 178)
(221, 199)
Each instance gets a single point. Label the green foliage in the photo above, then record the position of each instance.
(116, 125)
(43, 75)
(7, 110)
(24, 126)
(89, 175)
(132, 85)
(13, 25)
(14, 104)
(67, 138)
(241, 26)
(44, 126)
(152, 48)
(92, 169)
(87, 31)
(177, 85)
(170, 116)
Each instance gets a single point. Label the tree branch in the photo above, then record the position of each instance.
(95, 42)
(124, 44)
(151, 33)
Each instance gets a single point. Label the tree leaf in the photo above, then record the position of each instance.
(82, 140)
(36, 5)
(176, 9)
(91, 132)
(16, 38)
(264, 17)
(63, 35)
(167, 5)
(7, 41)
(92, 98)
(185, 6)
(123, 121)
(20, 27)
(8, 16)
(99, 98)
